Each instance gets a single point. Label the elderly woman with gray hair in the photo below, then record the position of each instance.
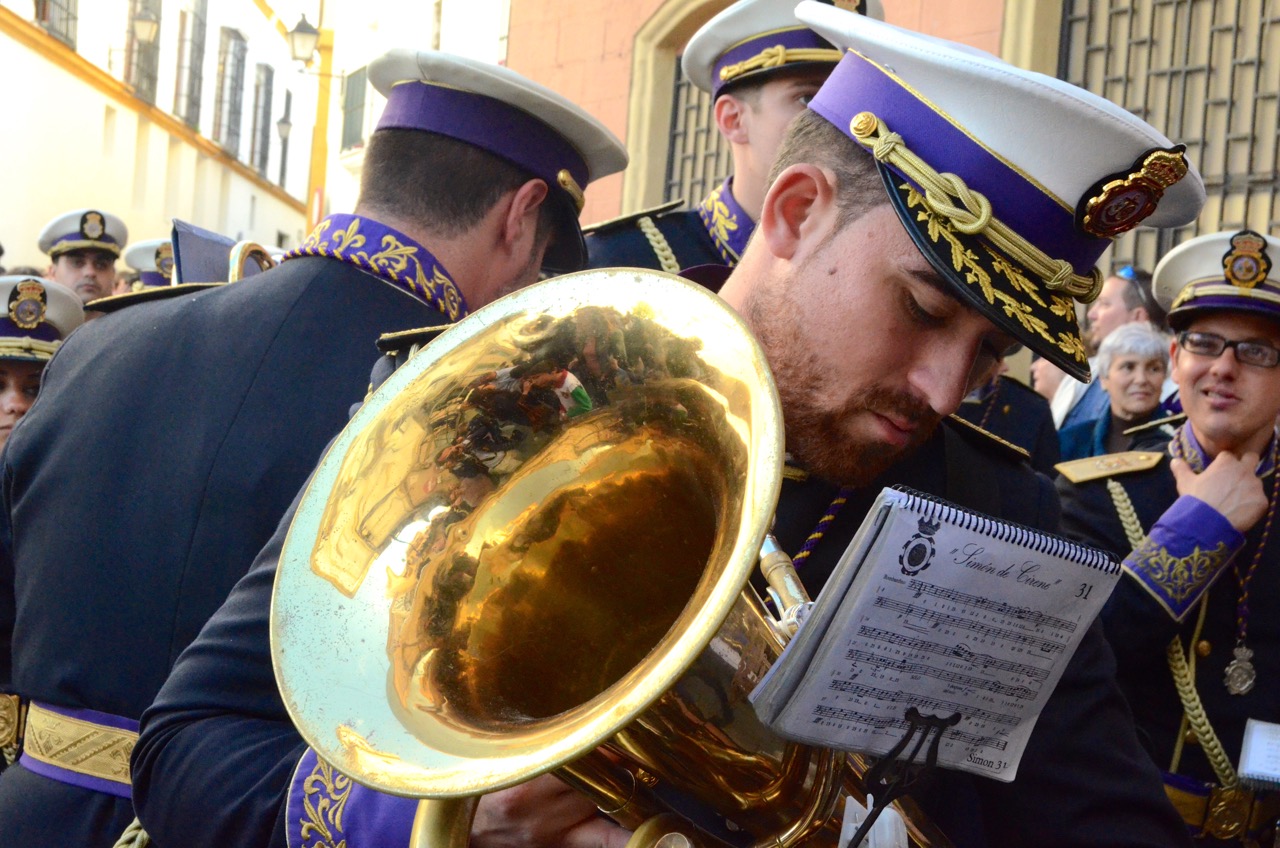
(1132, 364)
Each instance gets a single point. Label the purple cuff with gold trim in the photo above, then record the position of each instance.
(326, 808)
(1183, 554)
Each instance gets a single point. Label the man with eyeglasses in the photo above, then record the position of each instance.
(1195, 624)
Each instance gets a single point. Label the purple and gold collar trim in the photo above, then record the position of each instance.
(770, 51)
(1186, 446)
(728, 224)
(387, 254)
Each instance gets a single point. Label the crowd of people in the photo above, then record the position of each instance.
(889, 235)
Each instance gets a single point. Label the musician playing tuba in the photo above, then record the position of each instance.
(931, 208)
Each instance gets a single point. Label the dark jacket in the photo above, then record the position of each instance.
(1013, 411)
(622, 242)
(166, 443)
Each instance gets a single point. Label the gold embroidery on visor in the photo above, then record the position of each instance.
(969, 211)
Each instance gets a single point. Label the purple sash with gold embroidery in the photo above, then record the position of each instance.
(388, 254)
(727, 222)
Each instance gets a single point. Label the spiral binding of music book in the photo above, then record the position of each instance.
(938, 611)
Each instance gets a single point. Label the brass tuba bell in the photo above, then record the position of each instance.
(530, 551)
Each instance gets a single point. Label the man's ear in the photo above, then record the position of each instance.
(730, 115)
(521, 219)
(1140, 313)
(795, 209)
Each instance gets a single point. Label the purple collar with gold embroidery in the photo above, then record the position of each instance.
(387, 254)
(1186, 446)
(728, 223)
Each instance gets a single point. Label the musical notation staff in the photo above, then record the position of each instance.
(843, 714)
(978, 602)
(960, 651)
(954, 677)
(938, 705)
(962, 623)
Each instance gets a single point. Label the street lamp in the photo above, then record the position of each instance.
(284, 126)
(146, 26)
(302, 40)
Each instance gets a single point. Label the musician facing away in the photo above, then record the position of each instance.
(170, 438)
(930, 208)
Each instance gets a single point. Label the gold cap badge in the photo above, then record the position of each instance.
(1246, 264)
(1120, 202)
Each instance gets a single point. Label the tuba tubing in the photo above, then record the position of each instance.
(530, 552)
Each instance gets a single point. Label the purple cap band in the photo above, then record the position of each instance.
(42, 332)
(799, 38)
(104, 238)
(859, 85)
(487, 123)
(120, 789)
(1243, 300)
(152, 279)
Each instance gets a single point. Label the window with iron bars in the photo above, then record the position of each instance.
(58, 17)
(1206, 73)
(698, 157)
(353, 94)
(228, 99)
(142, 61)
(260, 140)
(190, 81)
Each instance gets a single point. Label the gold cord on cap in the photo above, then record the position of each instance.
(777, 56)
(569, 184)
(969, 211)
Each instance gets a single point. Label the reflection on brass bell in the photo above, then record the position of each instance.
(1190, 738)
(1203, 648)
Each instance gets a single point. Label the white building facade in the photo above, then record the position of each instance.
(152, 110)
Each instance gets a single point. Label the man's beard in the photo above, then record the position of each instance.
(817, 436)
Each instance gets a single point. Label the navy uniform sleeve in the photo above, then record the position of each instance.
(220, 763)
(213, 763)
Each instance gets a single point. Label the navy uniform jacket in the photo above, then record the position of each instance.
(218, 752)
(1013, 411)
(167, 441)
(1140, 629)
(622, 243)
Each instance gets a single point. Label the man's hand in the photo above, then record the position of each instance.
(542, 812)
(1229, 485)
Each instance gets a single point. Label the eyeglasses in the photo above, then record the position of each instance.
(1127, 272)
(1248, 353)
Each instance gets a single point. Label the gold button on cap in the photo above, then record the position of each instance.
(1190, 738)
(1203, 648)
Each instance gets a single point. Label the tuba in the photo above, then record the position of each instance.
(530, 551)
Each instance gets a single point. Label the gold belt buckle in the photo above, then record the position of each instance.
(11, 716)
(1228, 813)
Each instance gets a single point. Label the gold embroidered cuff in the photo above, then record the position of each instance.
(78, 745)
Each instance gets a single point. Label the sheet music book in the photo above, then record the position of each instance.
(946, 610)
(1260, 755)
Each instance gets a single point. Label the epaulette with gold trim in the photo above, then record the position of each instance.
(601, 226)
(986, 439)
(1108, 465)
(1173, 421)
(405, 340)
